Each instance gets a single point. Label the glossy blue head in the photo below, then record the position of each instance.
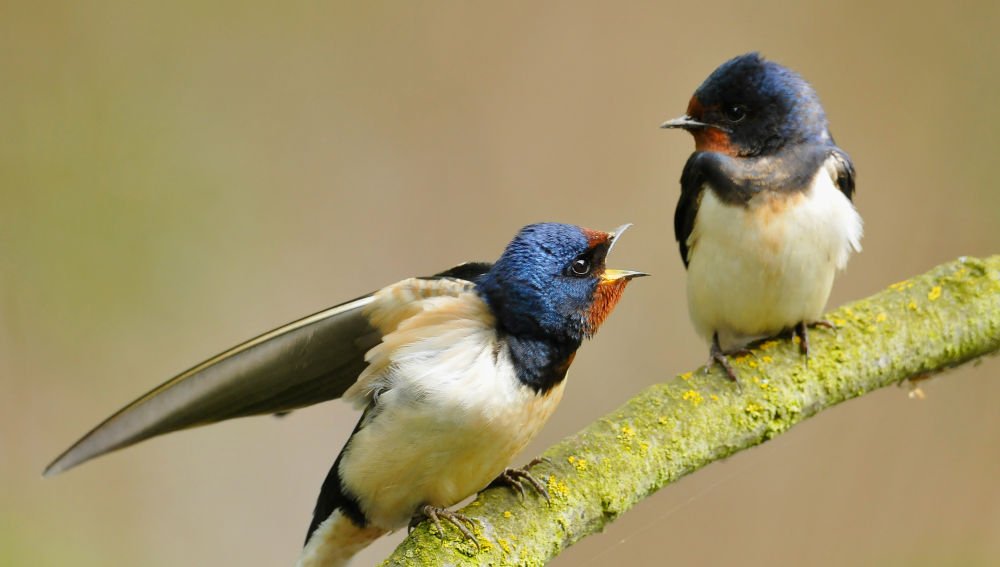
(751, 107)
(551, 283)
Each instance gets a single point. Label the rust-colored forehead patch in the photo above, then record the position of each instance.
(695, 109)
(596, 237)
(708, 139)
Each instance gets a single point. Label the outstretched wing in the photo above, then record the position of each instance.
(306, 362)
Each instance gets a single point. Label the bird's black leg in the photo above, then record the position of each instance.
(801, 330)
(802, 333)
(435, 513)
(717, 356)
(515, 478)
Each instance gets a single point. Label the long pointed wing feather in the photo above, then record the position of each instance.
(306, 362)
(302, 363)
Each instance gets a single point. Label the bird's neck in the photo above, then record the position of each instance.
(736, 180)
(540, 356)
(540, 363)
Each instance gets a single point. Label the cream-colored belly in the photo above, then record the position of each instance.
(408, 456)
(757, 270)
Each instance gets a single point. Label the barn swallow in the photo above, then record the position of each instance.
(454, 374)
(765, 216)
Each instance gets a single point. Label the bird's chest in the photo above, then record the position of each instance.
(764, 232)
(481, 413)
(759, 268)
(441, 435)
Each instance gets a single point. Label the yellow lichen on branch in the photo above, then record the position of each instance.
(917, 327)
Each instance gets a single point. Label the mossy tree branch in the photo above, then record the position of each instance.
(917, 327)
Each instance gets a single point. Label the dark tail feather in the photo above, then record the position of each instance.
(339, 528)
(332, 497)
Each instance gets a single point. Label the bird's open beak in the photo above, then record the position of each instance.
(613, 275)
(616, 233)
(685, 122)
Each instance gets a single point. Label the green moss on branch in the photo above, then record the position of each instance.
(928, 324)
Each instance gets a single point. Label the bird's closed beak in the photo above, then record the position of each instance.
(611, 275)
(685, 122)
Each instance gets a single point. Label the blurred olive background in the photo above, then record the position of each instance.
(177, 178)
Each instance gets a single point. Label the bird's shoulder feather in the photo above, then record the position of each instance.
(697, 171)
(736, 180)
(418, 318)
(842, 171)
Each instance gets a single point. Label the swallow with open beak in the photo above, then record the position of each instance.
(454, 375)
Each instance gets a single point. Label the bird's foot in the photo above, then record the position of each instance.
(435, 513)
(801, 330)
(718, 356)
(515, 478)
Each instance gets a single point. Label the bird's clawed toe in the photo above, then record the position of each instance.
(435, 513)
(722, 360)
(515, 478)
(718, 356)
(801, 330)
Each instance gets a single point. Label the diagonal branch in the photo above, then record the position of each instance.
(917, 327)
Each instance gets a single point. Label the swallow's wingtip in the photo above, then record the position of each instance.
(62, 464)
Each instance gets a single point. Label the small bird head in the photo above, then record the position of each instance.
(752, 107)
(552, 282)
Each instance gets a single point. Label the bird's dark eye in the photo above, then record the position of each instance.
(736, 112)
(580, 267)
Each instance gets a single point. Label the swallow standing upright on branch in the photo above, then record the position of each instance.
(765, 216)
(454, 373)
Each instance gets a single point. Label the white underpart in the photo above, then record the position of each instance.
(335, 541)
(757, 270)
(450, 416)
